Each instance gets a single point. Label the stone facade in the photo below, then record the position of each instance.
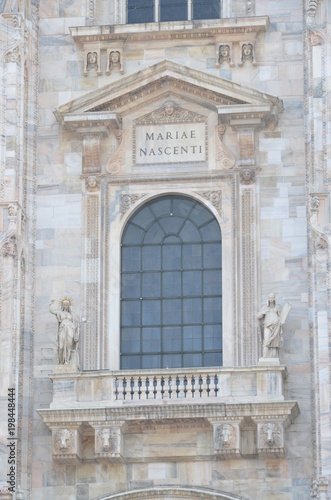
(99, 118)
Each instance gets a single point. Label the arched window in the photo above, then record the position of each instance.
(148, 11)
(171, 286)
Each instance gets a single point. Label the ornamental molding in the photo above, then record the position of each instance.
(171, 492)
(127, 200)
(116, 163)
(8, 238)
(214, 197)
(224, 157)
(176, 114)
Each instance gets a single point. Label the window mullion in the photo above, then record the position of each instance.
(189, 10)
(157, 10)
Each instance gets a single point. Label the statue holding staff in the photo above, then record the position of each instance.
(272, 319)
(68, 329)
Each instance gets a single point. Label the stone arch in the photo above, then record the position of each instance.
(171, 493)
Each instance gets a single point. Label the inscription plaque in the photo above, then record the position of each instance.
(170, 143)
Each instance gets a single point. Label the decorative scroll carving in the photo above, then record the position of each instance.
(116, 163)
(91, 149)
(170, 112)
(215, 197)
(321, 235)
(247, 53)
(223, 154)
(92, 183)
(8, 240)
(126, 200)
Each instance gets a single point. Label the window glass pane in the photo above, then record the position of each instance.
(151, 258)
(213, 310)
(201, 215)
(192, 338)
(212, 255)
(211, 231)
(130, 362)
(140, 11)
(130, 340)
(131, 313)
(133, 235)
(130, 285)
(171, 239)
(151, 312)
(172, 312)
(171, 224)
(144, 218)
(193, 360)
(212, 282)
(131, 257)
(151, 339)
(171, 257)
(192, 256)
(172, 10)
(189, 233)
(171, 284)
(206, 9)
(149, 362)
(212, 359)
(182, 206)
(155, 234)
(192, 283)
(192, 311)
(162, 206)
(171, 339)
(152, 285)
(213, 337)
(172, 361)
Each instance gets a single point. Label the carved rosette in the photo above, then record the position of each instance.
(224, 157)
(116, 162)
(226, 440)
(270, 439)
(109, 443)
(66, 445)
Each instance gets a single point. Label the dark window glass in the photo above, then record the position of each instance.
(140, 11)
(171, 287)
(173, 10)
(206, 9)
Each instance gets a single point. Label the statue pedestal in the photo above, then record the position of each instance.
(269, 362)
(73, 367)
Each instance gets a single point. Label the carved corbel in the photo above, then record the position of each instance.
(224, 158)
(116, 162)
(224, 54)
(8, 239)
(270, 439)
(226, 436)
(91, 154)
(92, 61)
(109, 442)
(66, 444)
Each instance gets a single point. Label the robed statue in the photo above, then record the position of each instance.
(272, 319)
(68, 330)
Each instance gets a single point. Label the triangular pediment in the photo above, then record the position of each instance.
(160, 79)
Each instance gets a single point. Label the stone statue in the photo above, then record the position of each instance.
(271, 321)
(68, 330)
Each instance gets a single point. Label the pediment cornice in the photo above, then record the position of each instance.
(117, 98)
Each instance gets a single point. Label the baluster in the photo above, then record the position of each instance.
(185, 386)
(155, 387)
(139, 387)
(147, 387)
(192, 385)
(177, 386)
(169, 387)
(132, 387)
(162, 387)
(216, 385)
(208, 385)
(116, 388)
(124, 388)
(200, 385)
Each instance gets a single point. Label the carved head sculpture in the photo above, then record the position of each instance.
(92, 58)
(114, 59)
(224, 53)
(66, 303)
(247, 50)
(169, 108)
(105, 439)
(270, 434)
(271, 299)
(226, 435)
(63, 438)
